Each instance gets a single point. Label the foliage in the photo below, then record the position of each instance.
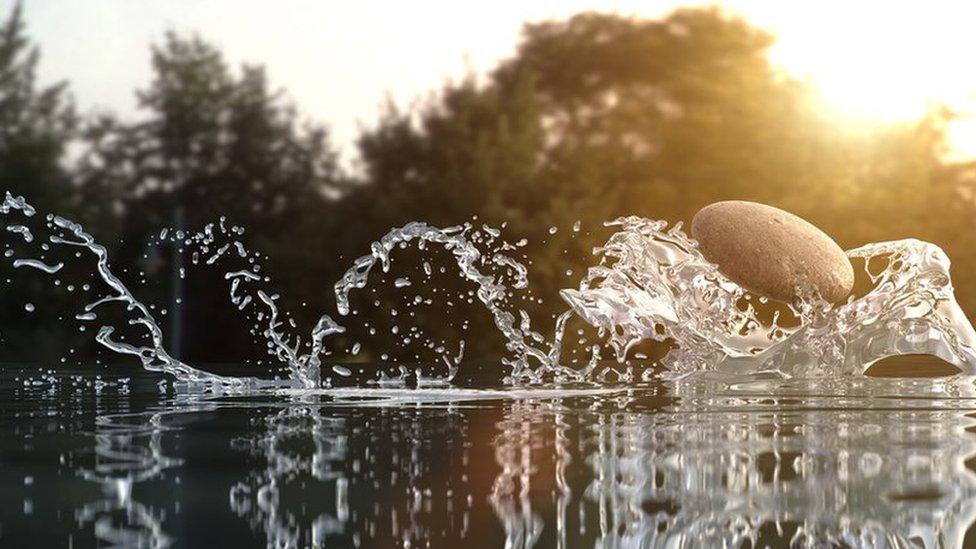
(36, 123)
(36, 127)
(210, 144)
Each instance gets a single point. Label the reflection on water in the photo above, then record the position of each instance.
(303, 451)
(736, 472)
(881, 464)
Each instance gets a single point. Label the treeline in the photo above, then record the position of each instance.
(595, 117)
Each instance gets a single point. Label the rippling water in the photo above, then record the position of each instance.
(106, 461)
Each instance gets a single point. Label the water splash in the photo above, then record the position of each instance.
(653, 283)
(247, 286)
(531, 361)
(153, 356)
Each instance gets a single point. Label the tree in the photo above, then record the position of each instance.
(687, 109)
(211, 139)
(36, 125)
(210, 143)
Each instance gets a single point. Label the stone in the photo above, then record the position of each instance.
(771, 252)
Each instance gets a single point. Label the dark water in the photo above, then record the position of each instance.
(88, 462)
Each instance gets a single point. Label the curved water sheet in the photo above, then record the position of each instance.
(653, 283)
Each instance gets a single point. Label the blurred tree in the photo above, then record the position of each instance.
(210, 143)
(210, 138)
(687, 110)
(37, 124)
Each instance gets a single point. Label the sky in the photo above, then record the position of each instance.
(874, 62)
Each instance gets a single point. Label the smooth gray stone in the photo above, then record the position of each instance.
(772, 252)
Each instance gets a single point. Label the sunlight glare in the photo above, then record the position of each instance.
(877, 62)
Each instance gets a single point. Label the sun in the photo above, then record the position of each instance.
(879, 62)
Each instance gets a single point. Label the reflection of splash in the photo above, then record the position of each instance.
(336, 474)
(119, 521)
(523, 436)
(834, 477)
(655, 284)
(719, 473)
(683, 465)
(301, 447)
(128, 450)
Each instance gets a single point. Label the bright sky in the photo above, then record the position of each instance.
(874, 61)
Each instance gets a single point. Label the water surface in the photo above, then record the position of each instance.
(125, 461)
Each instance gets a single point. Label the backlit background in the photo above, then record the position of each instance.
(320, 125)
